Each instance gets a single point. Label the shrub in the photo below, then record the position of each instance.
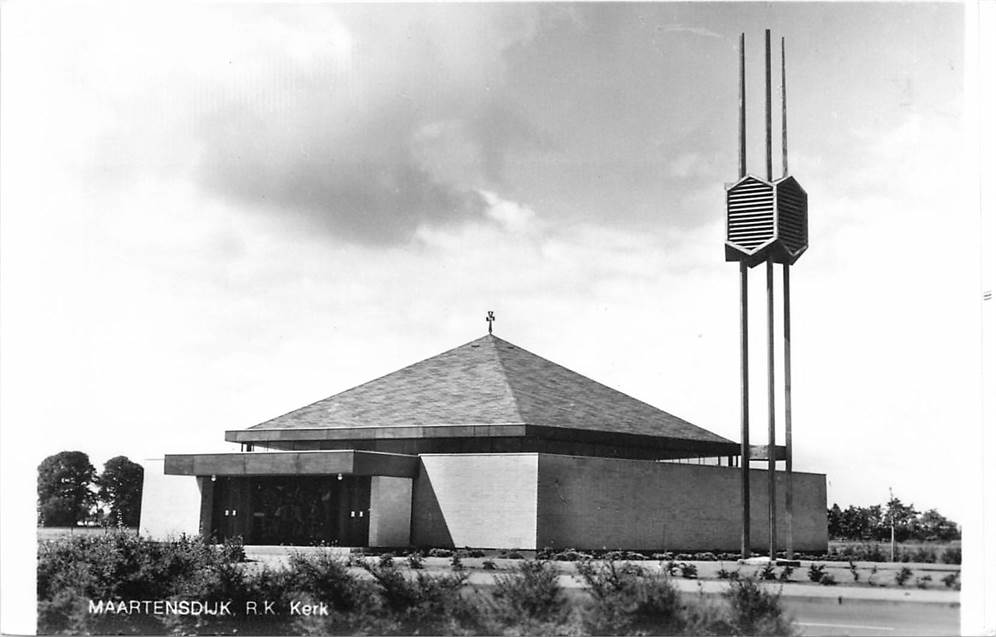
(489, 565)
(951, 555)
(689, 571)
(951, 581)
(232, 550)
(706, 557)
(786, 574)
(456, 563)
(768, 572)
(621, 556)
(230, 584)
(437, 552)
(115, 566)
(816, 572)
(415, 561)
(386, 559)
(626, 600)
(425, 604)
(475, 553)
(730, 575)
(903, 575)
(755, 610)
(828, 580)
(671, 568)
(568, 555)
(327, 578)
(530, 597)
(921, 582)
(854, 570)
(864, 552)
(510, 555)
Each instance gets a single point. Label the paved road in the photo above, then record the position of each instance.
(874, 618)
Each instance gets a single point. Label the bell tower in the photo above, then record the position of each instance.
(766, 222)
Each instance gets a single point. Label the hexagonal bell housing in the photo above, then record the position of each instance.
(765, 218)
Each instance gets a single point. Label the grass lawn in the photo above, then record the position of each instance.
(56, 532)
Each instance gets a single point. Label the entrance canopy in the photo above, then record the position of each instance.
(346, 462)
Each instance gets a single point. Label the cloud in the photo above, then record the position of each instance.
(404, 139)
(319, 116)
(512, 216)
(678, 28)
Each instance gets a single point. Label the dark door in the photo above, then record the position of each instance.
(229, 509)
(356, 511)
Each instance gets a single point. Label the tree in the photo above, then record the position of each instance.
(121, 490)
(64, 495)
(857, 523)
(934, 526)
(904, 516)
(834, 520)
(874, 523)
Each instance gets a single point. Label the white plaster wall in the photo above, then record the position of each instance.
(171, 505)
(476, 500)
(390, 511)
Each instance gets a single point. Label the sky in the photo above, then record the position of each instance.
(215, 214)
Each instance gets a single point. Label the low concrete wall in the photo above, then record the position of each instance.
(594, 503)
(476, 500)
(390, 511)
(171, 505)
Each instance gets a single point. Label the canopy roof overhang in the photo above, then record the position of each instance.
(513, 430)
(346, 462)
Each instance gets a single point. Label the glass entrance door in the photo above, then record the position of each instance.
(293, 510)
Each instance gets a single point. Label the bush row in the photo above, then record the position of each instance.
(620, 598)
(876, 552)
(859, 552)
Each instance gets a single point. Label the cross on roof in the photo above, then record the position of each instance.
(490, 318)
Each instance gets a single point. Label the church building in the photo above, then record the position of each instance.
(486, 446)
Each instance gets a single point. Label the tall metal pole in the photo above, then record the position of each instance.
(771, 408)
(767, 101)
(786, 326)
(785, 155)
(744, 404)
(786, 323)
(769, 270)
(744, 417)
(743, 113)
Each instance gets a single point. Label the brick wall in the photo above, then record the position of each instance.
(641, 505)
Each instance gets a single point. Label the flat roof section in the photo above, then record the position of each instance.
(264, 463)
(524, 431)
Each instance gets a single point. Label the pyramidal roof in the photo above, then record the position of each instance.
(489, 382)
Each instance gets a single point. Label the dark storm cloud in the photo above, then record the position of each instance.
(377, 130)
(368, 193)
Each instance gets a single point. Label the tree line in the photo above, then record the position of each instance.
(876, 522)
(71, 492)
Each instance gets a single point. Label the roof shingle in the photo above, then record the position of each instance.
(489, 382)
